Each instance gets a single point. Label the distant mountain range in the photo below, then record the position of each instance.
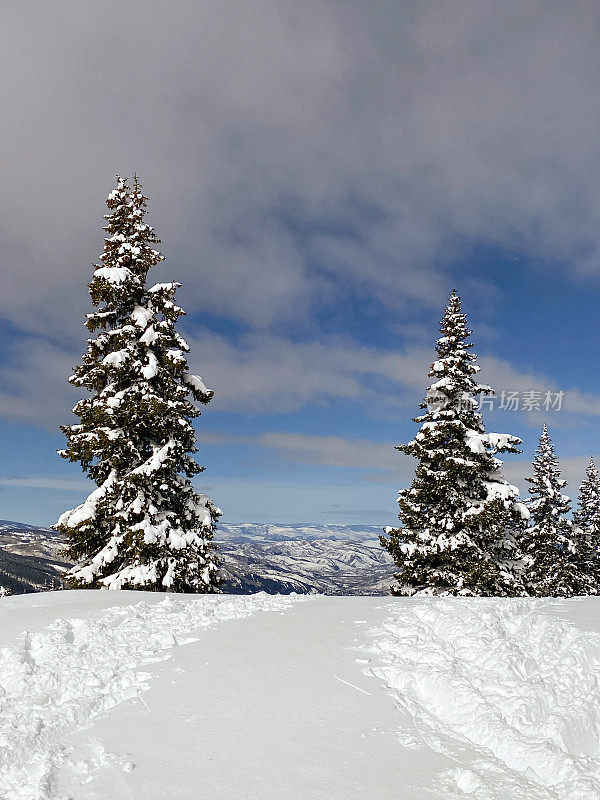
(271, 533)
(330, 559)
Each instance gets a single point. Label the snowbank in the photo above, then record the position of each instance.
(506, 677)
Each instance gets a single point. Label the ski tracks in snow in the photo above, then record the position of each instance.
(505, 678)
(57, 680)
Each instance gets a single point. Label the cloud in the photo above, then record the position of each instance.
(377, 460)
(381, 462)
(339, 452)
(293, 154)
(503, 376)
(261, 373)
(34, 385)
(265, 373)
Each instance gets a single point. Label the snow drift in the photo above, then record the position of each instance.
(506, 677)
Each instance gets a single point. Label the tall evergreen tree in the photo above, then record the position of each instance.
(552, 556)
(459, 517)
(587, 524)
(144, 526)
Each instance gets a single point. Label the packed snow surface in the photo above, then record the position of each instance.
(59, 678)
(327, 699)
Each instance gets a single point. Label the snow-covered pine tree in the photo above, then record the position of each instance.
(144, 526)
(552, 557)
(587, 523)
(460, 516)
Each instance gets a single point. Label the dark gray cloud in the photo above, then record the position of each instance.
(410, 127)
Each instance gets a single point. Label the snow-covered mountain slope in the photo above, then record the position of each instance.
(29, 540)
(338, 559)
(30, 557)
(328, 566)
(134, 695)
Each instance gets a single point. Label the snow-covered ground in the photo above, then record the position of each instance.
(134, 695)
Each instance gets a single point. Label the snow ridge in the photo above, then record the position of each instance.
(519, 685)
(57, 680)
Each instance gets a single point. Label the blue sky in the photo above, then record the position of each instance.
(322, 177)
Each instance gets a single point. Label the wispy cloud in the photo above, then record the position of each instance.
(36, 482)
(373, 458)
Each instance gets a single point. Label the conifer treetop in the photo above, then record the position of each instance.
(548, 501)
(450, 402)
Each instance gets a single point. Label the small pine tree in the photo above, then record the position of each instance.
(144, 526)
(587, 516)
(459, 515)
(549, 545)
(587, 524)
